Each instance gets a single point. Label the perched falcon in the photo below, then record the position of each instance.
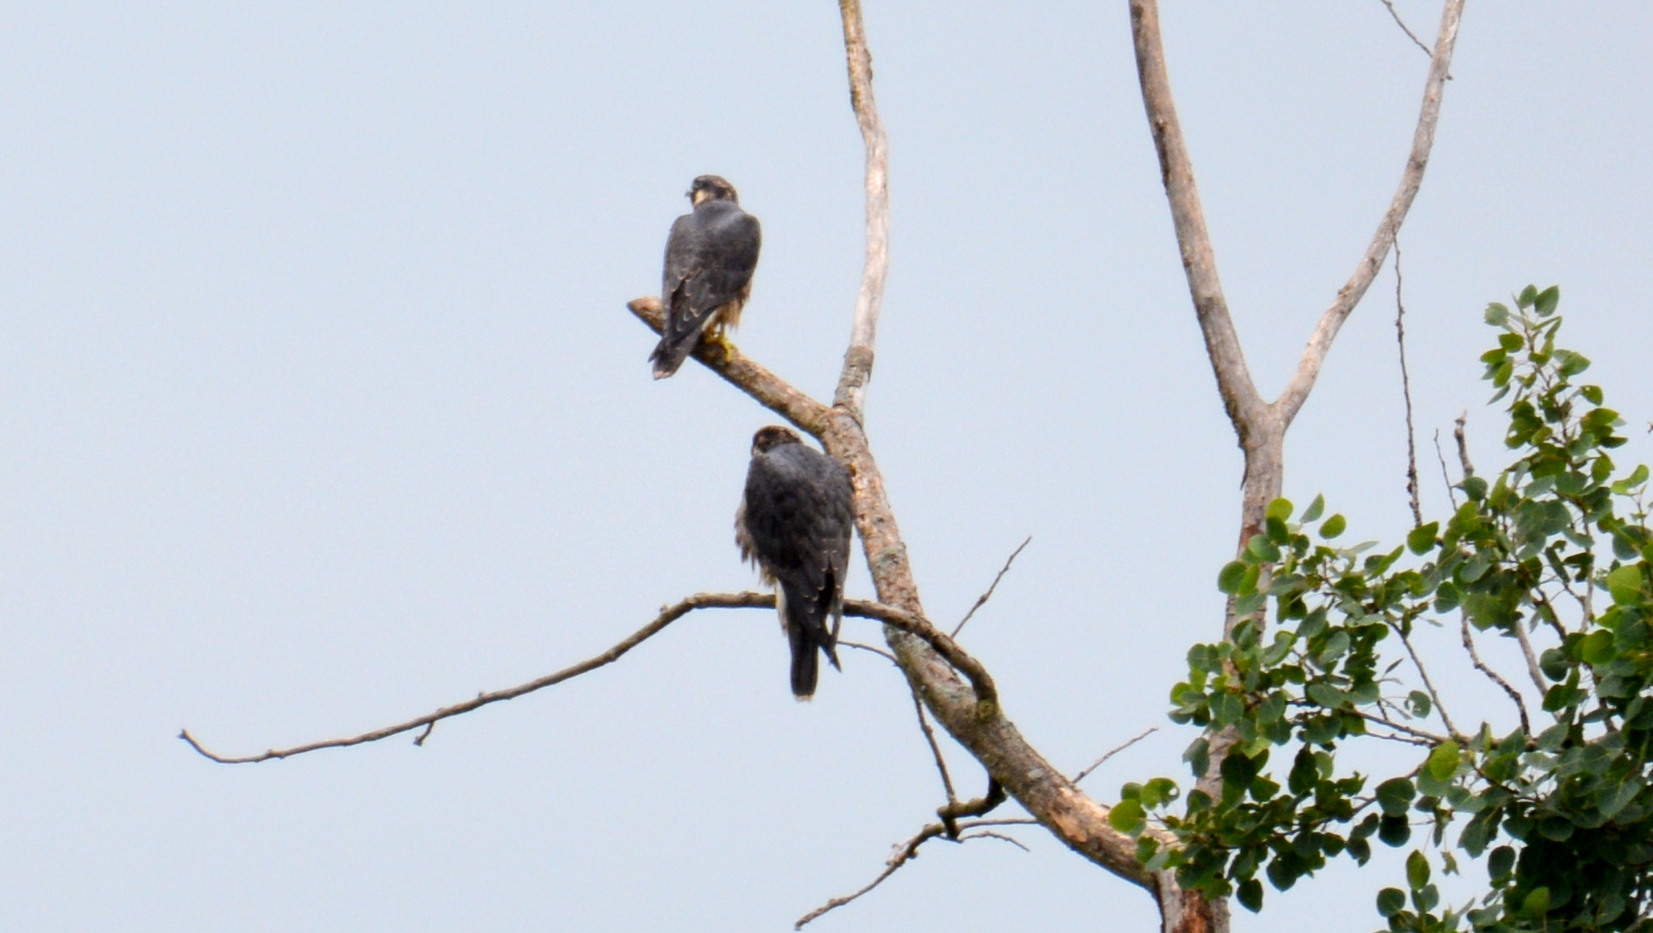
(710, 256)
(794, 525)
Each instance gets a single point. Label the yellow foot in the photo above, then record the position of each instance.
(718, 338)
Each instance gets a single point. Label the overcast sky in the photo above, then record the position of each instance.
(320, 408)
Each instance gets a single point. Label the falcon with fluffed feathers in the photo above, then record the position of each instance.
(710, 255)
(794, 524)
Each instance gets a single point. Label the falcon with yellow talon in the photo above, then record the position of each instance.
(710, 256)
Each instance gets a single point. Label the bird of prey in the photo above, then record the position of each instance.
(794, 524)
(710, 255)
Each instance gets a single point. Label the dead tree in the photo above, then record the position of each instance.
(946, 682)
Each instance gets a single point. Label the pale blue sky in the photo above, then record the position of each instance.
(320, 408)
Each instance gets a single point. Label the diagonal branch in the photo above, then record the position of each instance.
(983, 598)
(1199, 262)
(852, 384)
(1511, 692)
(896, 618)
(767, 388)
(1423, 139)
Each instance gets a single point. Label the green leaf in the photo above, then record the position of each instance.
(1263, 549)
(1536, 903)
(1394, 831)
(1527, 297)
(1571, 364)
(1418, 704)
(1390, 901)
(1250, 894)
(1315, 508)
(1395, 795)
(1497, 315)
(1598, 648)
(1128, 817)
(1238, 772)
(1625, 584)
(1332, 528)
(1443, 761)
(1417, 870)
(1546, 301)
(1279, 509)
(1326, 695)
(1422, 538)
(1198, 757)
(1474, 487)
(1228, 580)
(1501, 863)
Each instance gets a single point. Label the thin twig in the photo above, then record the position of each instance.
(852, 383)
(905, 621)
(1112, 752)
(983, 598)
(1463, 445)
(1423, 139)
(842, 643)
(989, 834)
(1427, 684)
(935, 749)
(1406, 392)
(1398, 22)
(908, 850)
(1445, 476)
(1424, 736)
(1475, 658)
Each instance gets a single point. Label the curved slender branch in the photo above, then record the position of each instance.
(907, 851)
(852, 384)
(897, 618)
(667, 616)
(1423, 139)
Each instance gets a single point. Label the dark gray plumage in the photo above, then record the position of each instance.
(794, 523)
(710, 255)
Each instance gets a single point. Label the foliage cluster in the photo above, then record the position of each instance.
(1552, 554)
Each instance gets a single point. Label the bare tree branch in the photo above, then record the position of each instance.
(896, 618)
(1423, 138)
(935, 747)
(908, 850)
(1463, 445)
(981, 806)
(872, 649)
(667, 616)
(768, 389)
(858, 359)
(1390, 6)
(1475, 658)
(1533, 670)
(1086, 772)
(1406, 393)
(1445, 476)
(1427, 684)
(983, 598)
(1199, 262)
(1425, 737)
